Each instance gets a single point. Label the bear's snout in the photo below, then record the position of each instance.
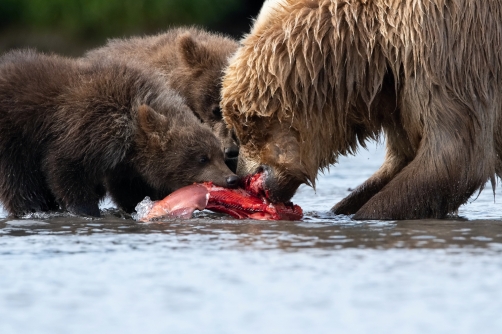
(232, 181)
(279, 186)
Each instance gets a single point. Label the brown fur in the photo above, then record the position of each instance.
(70, 131)
(192, 62)
(314, 79)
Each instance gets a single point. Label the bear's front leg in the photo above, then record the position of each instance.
(431, 186)
(351, 204)
(76, 188)
(399, 152)
(83, 200)
(453, 135)
(85, 209)
(127, 188)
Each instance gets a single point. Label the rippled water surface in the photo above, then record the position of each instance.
(213, 274)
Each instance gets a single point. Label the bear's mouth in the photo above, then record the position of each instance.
(266, 183)
(255, 184)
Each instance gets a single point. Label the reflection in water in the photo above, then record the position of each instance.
(323, 231)
(213, 274)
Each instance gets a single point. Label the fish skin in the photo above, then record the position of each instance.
(247, 202)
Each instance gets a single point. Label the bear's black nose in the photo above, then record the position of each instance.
(232, 181)
(231, 152)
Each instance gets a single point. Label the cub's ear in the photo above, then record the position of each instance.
(193, 54)
(149, 120)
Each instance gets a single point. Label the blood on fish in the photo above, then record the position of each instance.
(247, 202)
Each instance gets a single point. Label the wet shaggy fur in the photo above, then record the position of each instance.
(191, 61)
(70, 132)
(316, 78)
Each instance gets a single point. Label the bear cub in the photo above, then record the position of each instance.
(192, 62)
(70, 131)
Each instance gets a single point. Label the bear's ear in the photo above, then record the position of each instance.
(193, 54)
(149, 120)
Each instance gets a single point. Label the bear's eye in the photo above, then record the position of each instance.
(217, 113)
(203, 159)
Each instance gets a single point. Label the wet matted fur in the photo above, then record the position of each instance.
(70, 131)
(191, 61)
(316, 78)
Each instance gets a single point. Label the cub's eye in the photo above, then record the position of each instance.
(203, 159)
(217, 112)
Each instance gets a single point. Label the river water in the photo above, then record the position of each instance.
(213, 274)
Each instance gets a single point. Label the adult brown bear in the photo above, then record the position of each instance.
(314, 79)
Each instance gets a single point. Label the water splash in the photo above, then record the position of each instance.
(142, 209)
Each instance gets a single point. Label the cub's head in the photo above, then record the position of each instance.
(175, 152)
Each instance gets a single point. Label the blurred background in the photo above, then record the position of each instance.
(71, 27)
